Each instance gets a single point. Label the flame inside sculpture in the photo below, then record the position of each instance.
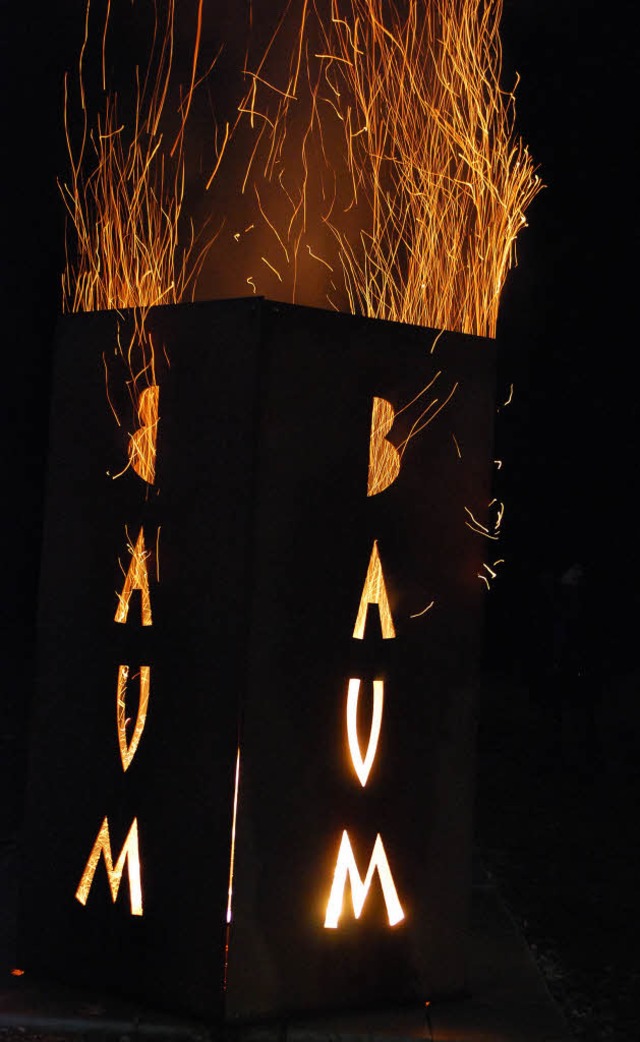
(410, 145)
(125, 191)
(381, 175)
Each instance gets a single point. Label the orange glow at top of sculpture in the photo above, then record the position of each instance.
(125, 191)
(411, 185)
(383, 170)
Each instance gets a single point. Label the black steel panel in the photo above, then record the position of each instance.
(180, 783)
(266, 532)
(314, 533)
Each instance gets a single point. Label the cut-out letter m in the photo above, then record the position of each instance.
(129, 853)
(346, 866)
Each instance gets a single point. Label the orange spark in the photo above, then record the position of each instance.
(124, 194)
(410, 144)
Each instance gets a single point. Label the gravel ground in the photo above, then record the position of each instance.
(557, 827)
(22, 1035)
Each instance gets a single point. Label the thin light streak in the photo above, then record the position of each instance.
(435, 339)
(480, 531)
(477, 526)
(490, 569)
(420, 424)
(106, 387)
(269, 265)
(186, 104)
(320, 259)
(158, 554)
(420, 393)
(232, 855)
(417, 614)
(220, 150)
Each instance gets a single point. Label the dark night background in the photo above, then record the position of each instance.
(567, 340)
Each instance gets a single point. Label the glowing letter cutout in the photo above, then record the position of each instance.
(128, 749)
(363, 766)
(346, 866)
(129, 853)
(384, 458)
(137, 578)
(374, 591)
(142, 443)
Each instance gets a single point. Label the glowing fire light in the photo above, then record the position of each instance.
(432, 139)
(142, 443)
(387, 157)
(128, 748)
(128, 243)
(374, 591)
(403, 103)
(125, 192)
(362, 765)
(384, 458)
(346, 867)
(129, 854)
(137, 578)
